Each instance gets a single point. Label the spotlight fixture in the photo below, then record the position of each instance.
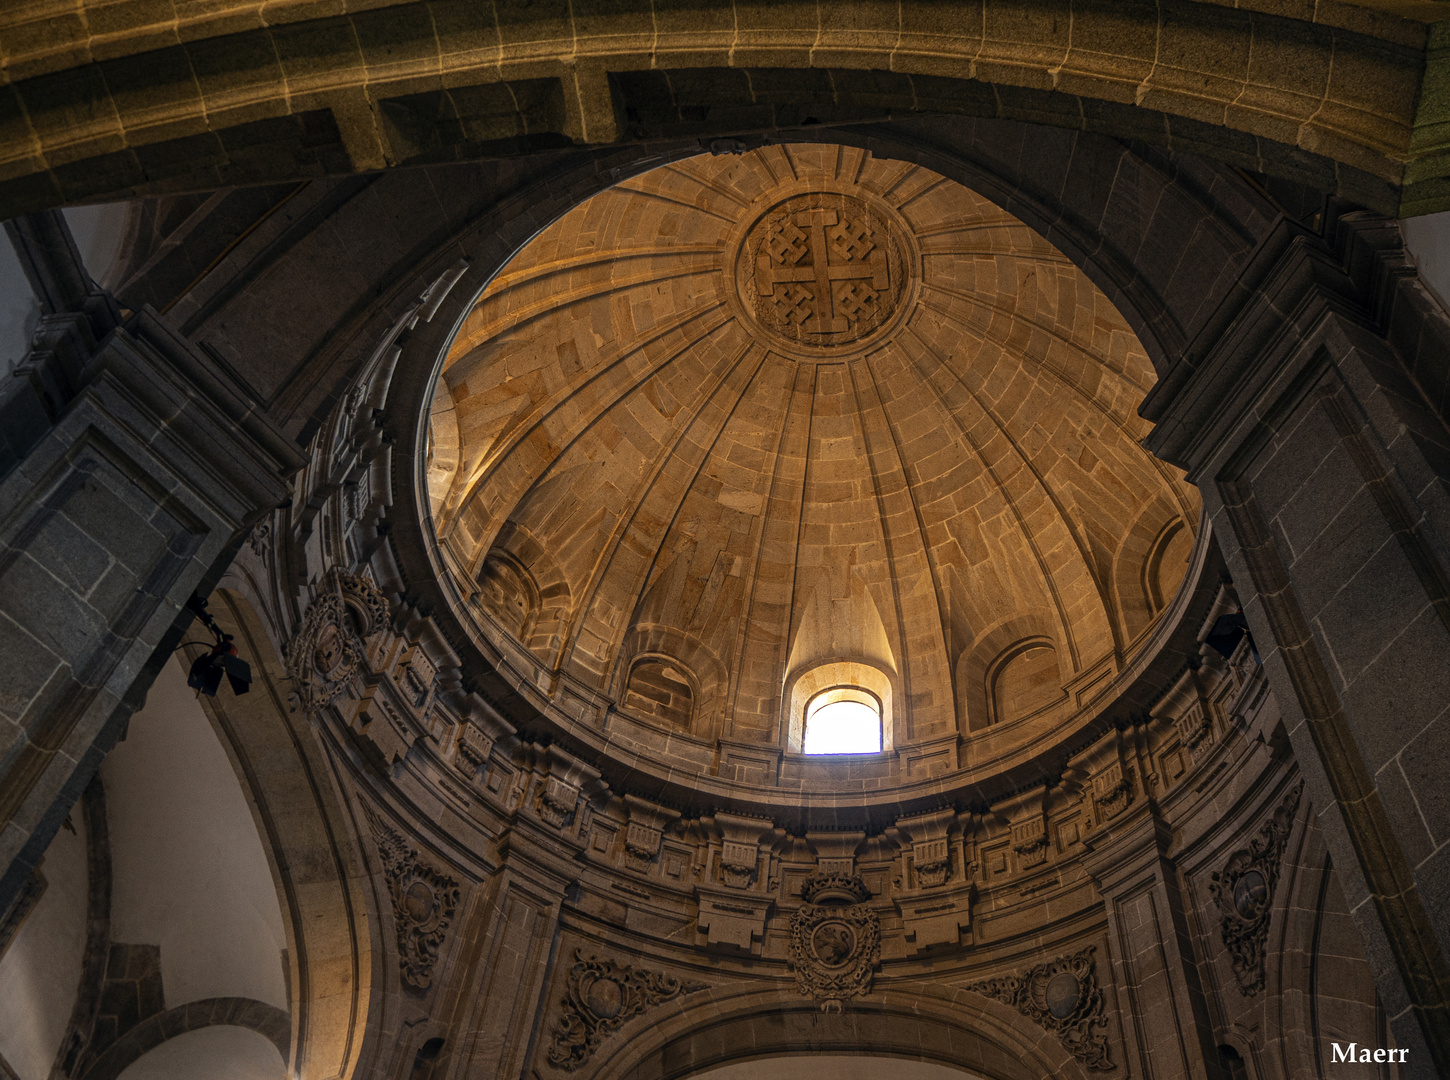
(207, 670)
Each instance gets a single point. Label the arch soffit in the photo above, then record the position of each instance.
(987, 1037)
(331, 951)
(1208, 74)
(266, 1020)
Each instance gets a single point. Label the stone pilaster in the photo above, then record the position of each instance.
(1311, 413)
(1152, 960)
(511, 956)
(131, 468)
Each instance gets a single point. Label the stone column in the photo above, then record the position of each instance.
(131, 468)
(1166, 1030)
(1310, 411)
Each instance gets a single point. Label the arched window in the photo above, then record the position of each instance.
(842, 720)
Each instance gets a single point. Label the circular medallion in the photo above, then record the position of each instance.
(419, 902)
(1251, 894)
(604, 998)
(1063, 992)
(823, 269)
(834, 943)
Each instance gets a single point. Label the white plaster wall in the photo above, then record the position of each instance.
(832, 1067)
(1428, 239)
(214, 1053)
(41, 971)
(188, 868)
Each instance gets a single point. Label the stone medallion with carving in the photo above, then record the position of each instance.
(328, 649)
(835, 939)
(823, 269)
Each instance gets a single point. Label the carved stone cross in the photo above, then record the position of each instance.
(825, 295)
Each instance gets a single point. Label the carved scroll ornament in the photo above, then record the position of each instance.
(600, 997)
(329, 648)
(425, 899)
(1063, 997)
(1244, 892)
(835, 939)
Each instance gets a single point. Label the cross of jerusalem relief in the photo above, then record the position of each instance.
(835, 295)
(824, 269)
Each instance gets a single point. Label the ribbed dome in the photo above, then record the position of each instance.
(745, 416)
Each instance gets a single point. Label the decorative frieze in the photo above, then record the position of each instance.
(1244, 893)
(835, 939)
(1061, 996)
(424, 898)
(600, 997)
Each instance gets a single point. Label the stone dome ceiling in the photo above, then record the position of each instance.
(744, 417)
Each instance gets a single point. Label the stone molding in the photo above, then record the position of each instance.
(1244, 893)
(600, 996)
(1061, 996)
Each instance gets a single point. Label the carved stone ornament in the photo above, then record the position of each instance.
(328, 650)
(1244, 892)
(822, 269)
(835, 939)
(600, 997)
(1112, 792)
(555, 801)
(260, 538)
(1029, 841)
(933, 860)
(424, 902)
(1061, 996)
(737, 863)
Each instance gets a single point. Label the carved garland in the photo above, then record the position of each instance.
(1244, 892)
(425, 899)
(1063, 997)
(600, 997)
(328, 650)
(835, 939)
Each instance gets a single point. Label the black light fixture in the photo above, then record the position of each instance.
(207, 670)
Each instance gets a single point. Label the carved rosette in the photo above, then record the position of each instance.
(835, 939)
(600, 997)
(424, 902)
(1063, 997)
(328, 650)
(1244, 892)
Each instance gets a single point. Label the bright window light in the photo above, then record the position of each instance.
(842, 721)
